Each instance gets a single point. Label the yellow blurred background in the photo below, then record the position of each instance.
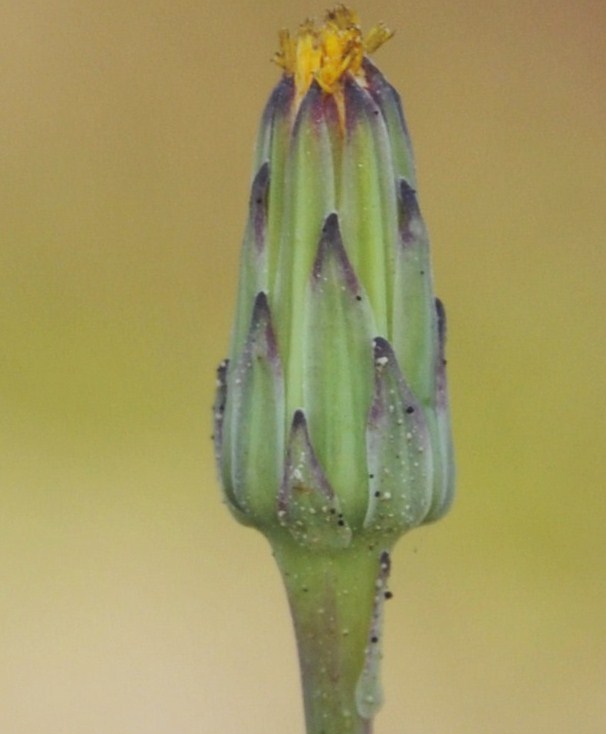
(130, 601)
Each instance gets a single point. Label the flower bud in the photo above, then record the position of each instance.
(331, 418)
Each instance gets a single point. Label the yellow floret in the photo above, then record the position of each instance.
(326, 52)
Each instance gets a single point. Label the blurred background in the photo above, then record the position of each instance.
(130, 601)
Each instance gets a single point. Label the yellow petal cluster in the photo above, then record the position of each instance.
(325, 52)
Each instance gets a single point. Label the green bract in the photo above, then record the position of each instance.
(331, 419)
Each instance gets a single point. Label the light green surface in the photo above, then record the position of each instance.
(131, 601)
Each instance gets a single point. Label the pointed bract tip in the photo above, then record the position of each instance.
(442, 398)
(261, 307)
(261, 334)
(360, 106)
(382, 351)
(407, 193)
(330, 238)
(258, 205)
(408, 201)
(330, 229)
(384, 94)
(299, 421)
(441, 314)
(260, 182)
(376, 81)
(311, 109)
(280, 100)
(306, 503)
(412, 227)
(331, 245)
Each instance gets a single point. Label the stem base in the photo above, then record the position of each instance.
(336, 601)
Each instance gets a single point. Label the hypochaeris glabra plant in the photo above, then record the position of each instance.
(332, 429)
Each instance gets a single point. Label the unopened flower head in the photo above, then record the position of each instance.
(331, 419)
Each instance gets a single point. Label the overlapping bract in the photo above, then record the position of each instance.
(331, 417)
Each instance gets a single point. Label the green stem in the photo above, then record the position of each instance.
(336, 600)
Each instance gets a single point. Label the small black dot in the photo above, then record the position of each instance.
(358, 298)
(371, 476)
(341, 523)
(421, 272)
(388, 595)
(374, 639)
(333, 511)
(377, 494)
(410, 409)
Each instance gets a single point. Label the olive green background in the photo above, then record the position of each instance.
(130, 601)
